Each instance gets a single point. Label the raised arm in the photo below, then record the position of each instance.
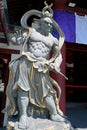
(18, 37)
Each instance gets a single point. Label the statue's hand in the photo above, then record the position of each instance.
(53, 66)
(18, 37)
(56, 64)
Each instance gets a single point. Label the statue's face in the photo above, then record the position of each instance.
(46, 24)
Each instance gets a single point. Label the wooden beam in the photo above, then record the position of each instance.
(76, 47)
(63, 6)
(8, 51)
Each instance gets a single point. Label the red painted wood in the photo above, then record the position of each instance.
(63, 6)
(76, 47)
(75, 86)
(61, 81)
(9, 51)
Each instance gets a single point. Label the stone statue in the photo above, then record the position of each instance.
(30, 82)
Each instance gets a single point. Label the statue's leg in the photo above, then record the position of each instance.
(50, 104)
(23, 100)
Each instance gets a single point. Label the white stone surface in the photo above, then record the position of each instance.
(40, 124)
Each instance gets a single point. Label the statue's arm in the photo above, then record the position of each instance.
(18, 37)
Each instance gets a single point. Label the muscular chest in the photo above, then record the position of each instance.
(37, 38)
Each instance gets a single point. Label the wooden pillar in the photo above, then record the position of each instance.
(61, 81)
(59, 5)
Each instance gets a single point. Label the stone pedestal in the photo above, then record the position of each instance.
(40, 124)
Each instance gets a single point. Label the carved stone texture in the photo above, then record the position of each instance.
(40, 124)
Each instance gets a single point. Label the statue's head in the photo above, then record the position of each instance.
(45, 14)
(45, 24)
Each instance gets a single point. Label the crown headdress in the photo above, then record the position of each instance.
(47, 10)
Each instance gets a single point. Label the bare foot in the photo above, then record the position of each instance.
(58, 118)
(23, 122)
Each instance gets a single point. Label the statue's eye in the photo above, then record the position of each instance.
(45, 22)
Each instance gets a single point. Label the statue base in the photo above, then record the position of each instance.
(40, 124)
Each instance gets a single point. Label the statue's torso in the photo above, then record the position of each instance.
(40, 45)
